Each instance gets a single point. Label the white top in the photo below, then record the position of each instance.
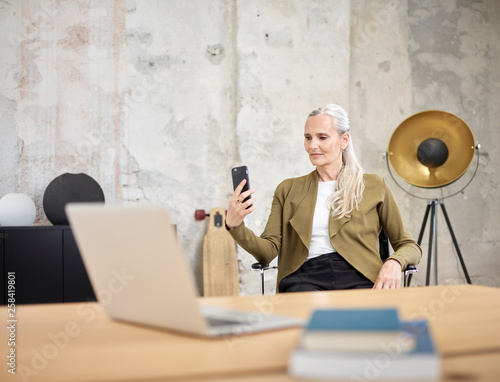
(320, 240)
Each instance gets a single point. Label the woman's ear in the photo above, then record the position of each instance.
(344, 141)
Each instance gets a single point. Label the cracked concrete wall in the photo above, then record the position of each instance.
(292, 57)
(412, 56)
(158, 100)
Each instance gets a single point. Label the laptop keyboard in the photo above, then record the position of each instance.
(212, 321)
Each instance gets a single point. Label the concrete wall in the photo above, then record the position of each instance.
(157, 100)
(412, 56)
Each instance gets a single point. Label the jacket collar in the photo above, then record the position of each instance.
(335, 225)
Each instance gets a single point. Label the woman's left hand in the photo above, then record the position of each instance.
(389, 276)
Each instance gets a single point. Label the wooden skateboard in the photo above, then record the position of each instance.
(220, 264)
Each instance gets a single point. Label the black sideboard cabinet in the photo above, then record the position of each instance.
(47, 265)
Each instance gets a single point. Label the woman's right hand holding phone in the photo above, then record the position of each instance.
(238, 209)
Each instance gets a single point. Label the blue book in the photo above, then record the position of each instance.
(354, 319)
(351, 329)
(412, 356)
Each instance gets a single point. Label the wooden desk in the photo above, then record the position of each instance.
(77, 342)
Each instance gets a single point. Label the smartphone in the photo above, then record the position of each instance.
(238, 174)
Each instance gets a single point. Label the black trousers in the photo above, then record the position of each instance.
(325, 272)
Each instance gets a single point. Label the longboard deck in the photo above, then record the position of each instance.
(220, 263)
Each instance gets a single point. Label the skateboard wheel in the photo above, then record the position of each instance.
(200, 215)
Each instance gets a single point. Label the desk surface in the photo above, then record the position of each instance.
(77, 342)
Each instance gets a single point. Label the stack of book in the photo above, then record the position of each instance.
(364, 345)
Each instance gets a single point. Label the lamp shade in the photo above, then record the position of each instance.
(431, 149)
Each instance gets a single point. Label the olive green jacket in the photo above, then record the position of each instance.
(289, 228)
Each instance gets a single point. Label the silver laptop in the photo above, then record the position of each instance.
(139, 274)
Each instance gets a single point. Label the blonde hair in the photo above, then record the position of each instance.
(349, 190)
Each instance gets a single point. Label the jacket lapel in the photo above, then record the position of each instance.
(335, 225)
(302, 218)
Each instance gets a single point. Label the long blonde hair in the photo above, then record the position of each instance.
(349, 190)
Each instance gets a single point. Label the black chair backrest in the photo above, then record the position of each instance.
(383, 241)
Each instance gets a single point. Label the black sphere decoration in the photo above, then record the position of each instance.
(69, 188)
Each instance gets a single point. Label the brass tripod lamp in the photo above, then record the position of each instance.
(432, 149)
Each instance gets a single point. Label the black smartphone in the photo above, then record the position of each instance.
(240, 173)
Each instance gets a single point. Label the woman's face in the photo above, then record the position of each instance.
(322, 142)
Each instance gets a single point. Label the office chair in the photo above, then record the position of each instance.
(384, 254)
(384, 250)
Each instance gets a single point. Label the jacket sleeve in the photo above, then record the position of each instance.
(406, 250)
(266, 246)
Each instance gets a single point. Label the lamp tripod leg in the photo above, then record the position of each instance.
(464, 268)
(435, 243)
(424, 222)
(421, 234)
(432, 234)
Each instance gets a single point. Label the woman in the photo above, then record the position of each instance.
(326, 224)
